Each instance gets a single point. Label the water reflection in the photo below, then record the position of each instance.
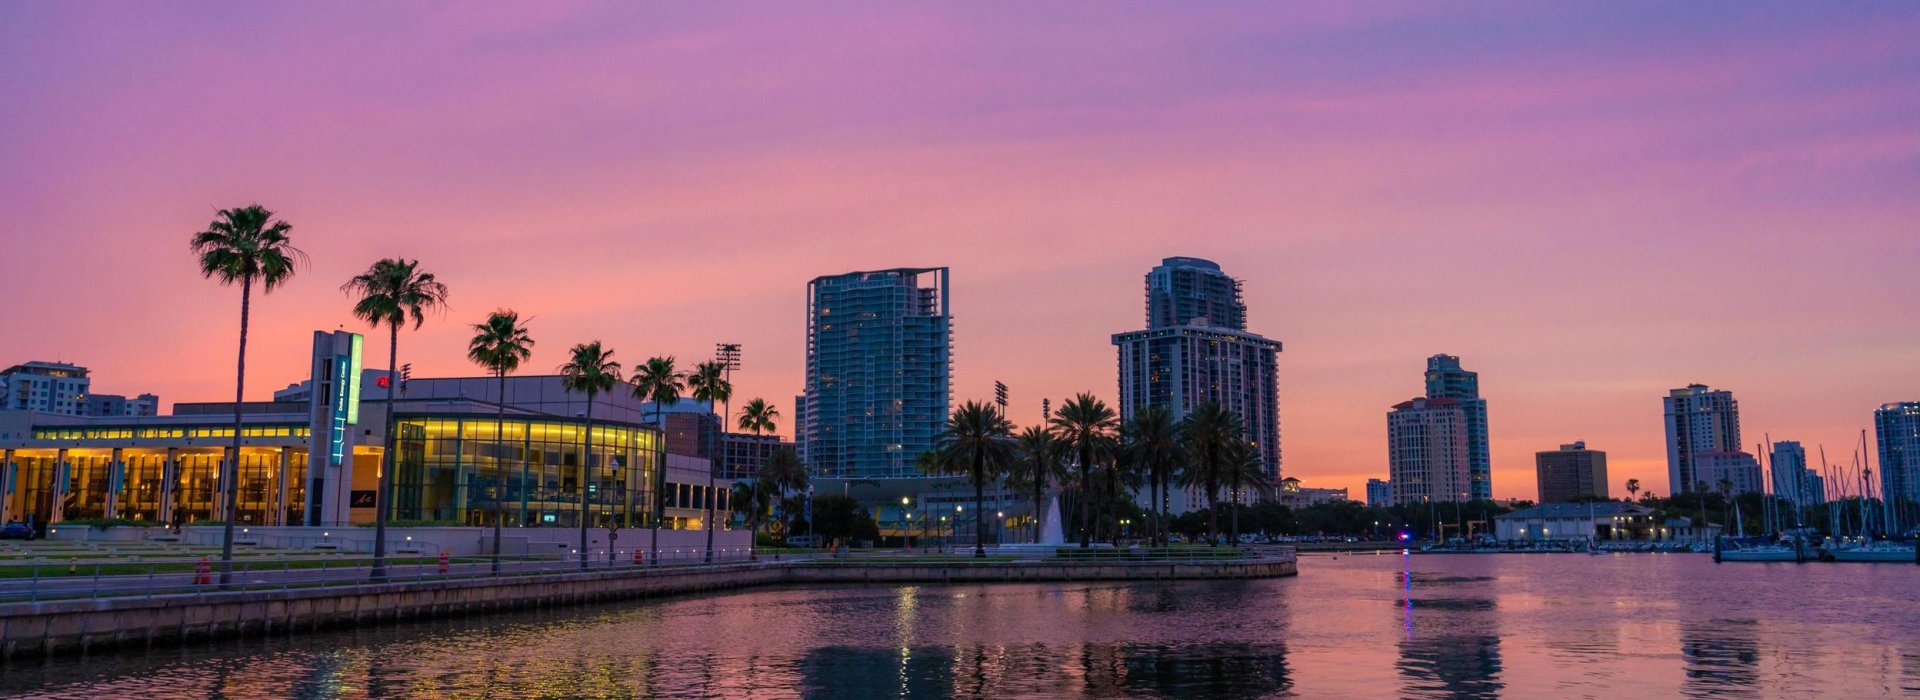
(1356, 627)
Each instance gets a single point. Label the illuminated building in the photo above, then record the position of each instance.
(65, 389)
(312, 455)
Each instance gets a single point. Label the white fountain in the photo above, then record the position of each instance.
(1052, 533)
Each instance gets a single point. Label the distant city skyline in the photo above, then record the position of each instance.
(1617, 201)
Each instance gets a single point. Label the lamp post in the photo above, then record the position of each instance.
(906, 522)
(729, 354)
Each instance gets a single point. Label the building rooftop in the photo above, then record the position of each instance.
(1599, 509)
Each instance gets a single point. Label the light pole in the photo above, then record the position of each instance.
(729, 355)
(906, 522)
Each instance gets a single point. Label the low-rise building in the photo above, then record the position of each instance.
(1292, 495)
(1605, 520)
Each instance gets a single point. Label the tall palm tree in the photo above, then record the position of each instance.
(1246, 476)
(978, 444)
(500, 344)
(758, 416)
(656, 380)
(708, 382)
(244, 245)
(751, 499)
(590, 369)
(392, 292)
(1086, 424)
(1208, 432)
(1038, 465)
(1153, 444)
(1633, 489)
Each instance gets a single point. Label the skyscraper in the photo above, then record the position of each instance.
(879, 361)
(1792, 480)
(1446, 380)
(1699, 421)
(1897, 427)
(1196, 350)
(1379, 493)
(1427, 457)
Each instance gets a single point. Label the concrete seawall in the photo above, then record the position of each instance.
(65, 626)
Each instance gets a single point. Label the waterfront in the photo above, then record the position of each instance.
(1361, 625)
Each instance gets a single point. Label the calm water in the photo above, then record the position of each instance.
(1356, 626)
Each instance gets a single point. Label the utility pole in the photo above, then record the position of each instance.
(728, 354)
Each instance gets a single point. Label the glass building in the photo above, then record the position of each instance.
(879, 362)
(1447, 380)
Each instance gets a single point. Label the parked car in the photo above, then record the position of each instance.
(802, 541)
(16, 531)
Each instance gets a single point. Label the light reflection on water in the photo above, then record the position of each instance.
(1474, 626)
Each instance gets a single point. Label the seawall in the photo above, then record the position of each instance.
(67, 626)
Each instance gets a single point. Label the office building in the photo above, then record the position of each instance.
(1427, 456)
(1699, 420)
(879, 363)
(312, 456)
(1571, 473)
(1897, 428)
(1379, 493)
(1196, 350)
(1791, 478)
(746, 452)
(1447, 380)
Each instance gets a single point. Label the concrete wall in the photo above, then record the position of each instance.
(470, 541)
(55, 627)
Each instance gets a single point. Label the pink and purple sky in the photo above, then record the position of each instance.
(1591, 203)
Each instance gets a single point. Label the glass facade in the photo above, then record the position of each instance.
(454, 468)
(879, 359)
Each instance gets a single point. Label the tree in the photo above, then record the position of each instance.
(708, 382)
(1038, 464)
(1086, 425)
(977, 444)
(392, 293)
(1207, 434)
(243, 245)
(751, 499)
(500, 344)
(1152, 441)
(758, 416)
(836, 519)
(1633, 489)
(658, 381)
(591, 371)
(1245, 473)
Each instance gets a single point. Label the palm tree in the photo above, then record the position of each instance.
(1208, 433)
(1246, 474)
(392, 293)
(500, 344)
(978, 444)
(1633, 489)
(1038, 465)
(751, 499)
(1086, 424)
(758, 416)
(591, 370)
(708, 382)
(243, 245)
(1700, 492)
(1153, 444)
(782, 472)
(659, 382)
(1726, 500)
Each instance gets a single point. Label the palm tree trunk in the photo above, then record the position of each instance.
(979, 505)
(382, 499)
(230, 487)
(586, 472)
(1153, 510)
(714, 450)
(1086, 497)
(500, 463)
(1039, 494)
(659, 484)
(1233, 513)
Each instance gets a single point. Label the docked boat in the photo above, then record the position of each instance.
(1882, 551)
(1759, 549)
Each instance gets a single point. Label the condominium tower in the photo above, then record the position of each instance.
(1196, 349)
(879, 360)
(1897, 427)
(1700, 421)
(1427, 456)
(1447, 380)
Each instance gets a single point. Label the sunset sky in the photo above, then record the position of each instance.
(1590, 203)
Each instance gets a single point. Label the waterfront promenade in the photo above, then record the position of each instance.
(57, 615)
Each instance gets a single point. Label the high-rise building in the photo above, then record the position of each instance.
(1699, 421)
(879, 363)
(1196, 350)
(1427, 457)
(1571, 473)
(1379, 493)
(1446, 380)
(48, 387)
(1897, 427)
(1739, 471)
(1791, 478)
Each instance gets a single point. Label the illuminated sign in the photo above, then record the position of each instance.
(352, 380)
(345, 399)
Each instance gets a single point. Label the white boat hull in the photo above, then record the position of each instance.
(1757, 555)
(1897, 556)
